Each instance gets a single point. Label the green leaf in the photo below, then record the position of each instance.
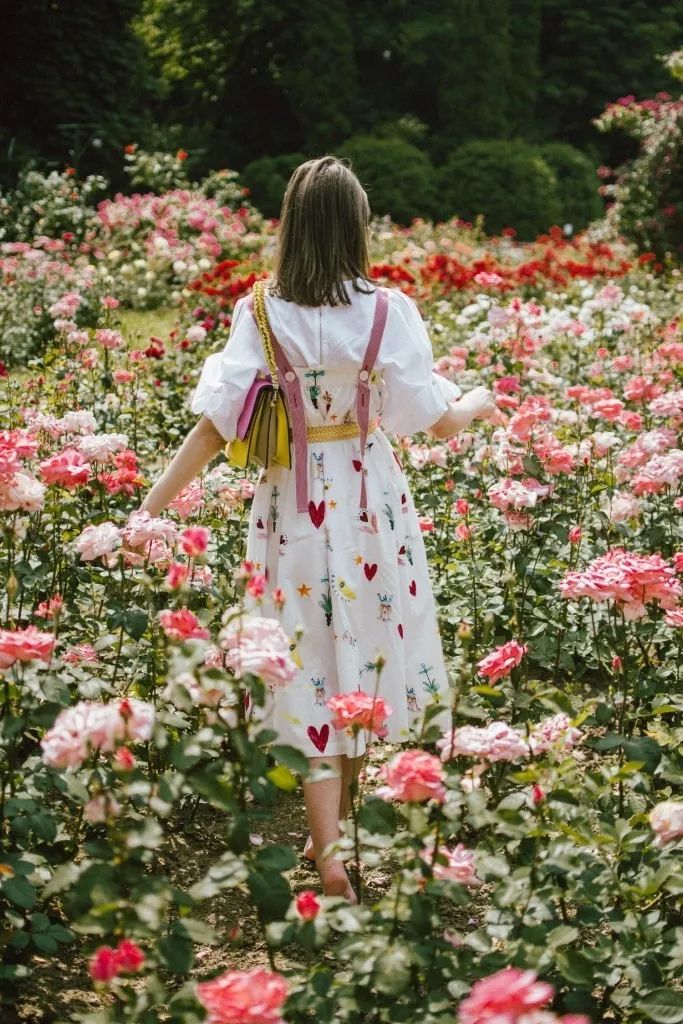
(133, 621)
(378, 816)
(291, 757)
(281, 777)
(176, 952)
(662, 1006)
(271, 894)
(276, 858)
(20, 892)
(643, 749)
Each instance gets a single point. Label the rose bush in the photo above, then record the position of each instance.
(530, 852)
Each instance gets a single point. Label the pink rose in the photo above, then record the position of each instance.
(89, 725)
(555, 733)
(258, 646)
(412, 776)
(456, 865)
(358, 710)
(67, 468)
(244, 997)
(95, 541)
(501, 661)
(195, 540)
(494, 742)
(107, 963)
(307, 905)
(504, 997)
(182, 624)
(666, 819)
(26, 644)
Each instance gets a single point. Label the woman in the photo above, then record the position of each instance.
(338, 533)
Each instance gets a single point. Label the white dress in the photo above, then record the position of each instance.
(356, 583)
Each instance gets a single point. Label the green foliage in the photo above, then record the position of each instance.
(267, 179)
(648, 192)
(508, 182)
(577, 183)
(398, 177)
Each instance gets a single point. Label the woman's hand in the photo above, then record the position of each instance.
(477, 404)
(481, 403)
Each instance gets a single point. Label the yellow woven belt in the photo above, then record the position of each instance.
(336, 431)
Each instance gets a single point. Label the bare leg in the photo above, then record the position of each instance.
(350, 769)
(322, 807)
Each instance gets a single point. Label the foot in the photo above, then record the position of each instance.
(309, 852)
(336, 881)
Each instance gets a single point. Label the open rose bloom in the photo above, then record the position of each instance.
(359, 710)
(90, 726)
(243, 997)
(412, 776)
(259, 646)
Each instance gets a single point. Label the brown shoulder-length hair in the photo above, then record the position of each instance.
(323, 235)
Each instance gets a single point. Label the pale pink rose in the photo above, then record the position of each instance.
(620, 507)
(80, 652)
(358, 710)
(28, 644)
(21, 492)
(488, 279)
(666, 819)
(674, 617)
(142, 528)
(454, 865)
(123, 376)
(258, 646)
(504, 997)
(189, 500)
(517, 494)
(101, 807)
(90, 725)
(501, 661)
(426, 523)
(574, 535)
(182, 624)
(67, 468)
(412, 776)
(176, 575)
(100, 447)
(96, 541)
(554, 733)
(108, 338)
(66, 305)
(494, 742)
(254, 996)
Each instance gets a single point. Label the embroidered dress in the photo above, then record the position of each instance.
(356, 578)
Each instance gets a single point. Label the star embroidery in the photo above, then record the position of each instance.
(358, 559)
(304, 590)
(332, 503)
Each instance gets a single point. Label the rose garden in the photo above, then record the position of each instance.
(524, 866)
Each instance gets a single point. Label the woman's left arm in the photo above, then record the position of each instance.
(201, 444)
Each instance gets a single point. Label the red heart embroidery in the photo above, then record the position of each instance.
(370, 570)
(317, 513)
(413, 587)
(400, 630)
(357, 465)
(319, 738)
(363, 516)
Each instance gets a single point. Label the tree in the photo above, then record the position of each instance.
(74, 82)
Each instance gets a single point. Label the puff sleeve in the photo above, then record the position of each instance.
(418, 396)
(227, 376)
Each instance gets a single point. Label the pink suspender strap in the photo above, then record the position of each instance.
(363, 391)
(289, 382)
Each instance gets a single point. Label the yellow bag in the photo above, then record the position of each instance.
(266, 439)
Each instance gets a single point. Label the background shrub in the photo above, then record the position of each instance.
(399, 178)
(267, 179)
(576, 181)
(509, 182)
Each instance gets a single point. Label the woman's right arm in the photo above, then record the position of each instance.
(200, 446)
